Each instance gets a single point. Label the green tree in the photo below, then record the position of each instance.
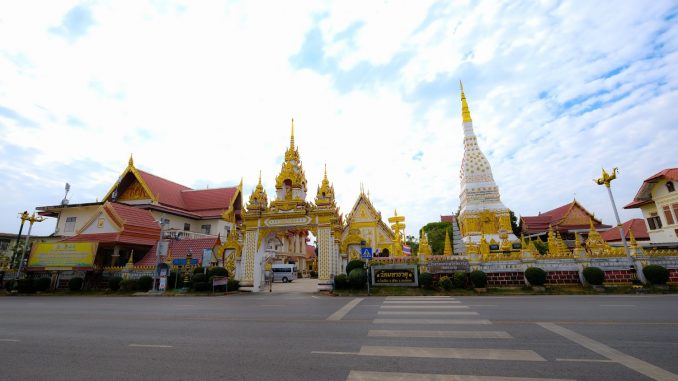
(436, 235)
(514, 225)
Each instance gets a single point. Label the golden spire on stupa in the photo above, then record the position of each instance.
(465, 113)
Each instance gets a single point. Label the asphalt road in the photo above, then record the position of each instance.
(297, 336)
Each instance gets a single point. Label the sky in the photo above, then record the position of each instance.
(202, 93)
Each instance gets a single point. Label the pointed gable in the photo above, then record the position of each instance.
(569, 216)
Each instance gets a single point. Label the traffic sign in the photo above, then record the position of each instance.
(366, 253)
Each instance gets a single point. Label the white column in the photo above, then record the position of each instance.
(248, 253)
(324, 258)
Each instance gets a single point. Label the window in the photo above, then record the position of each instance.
(670, 187)
(675, 210)
(654, 222)
(70, 225)
(165, 221)
(187, 227)
(4, 244)
(205, 229)
(668, 215)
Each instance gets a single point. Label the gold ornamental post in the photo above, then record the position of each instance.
(606, 179)
(32, 219)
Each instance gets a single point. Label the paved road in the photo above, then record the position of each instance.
(295, 336)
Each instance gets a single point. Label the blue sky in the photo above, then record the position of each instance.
(202, 93)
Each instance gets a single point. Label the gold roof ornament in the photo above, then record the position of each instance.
(606, 178)
(424, 247)
(131, 161)
(465, 113)
(258, 198)
(325, 195)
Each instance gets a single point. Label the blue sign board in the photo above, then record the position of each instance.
(182, 261)
(366, 253)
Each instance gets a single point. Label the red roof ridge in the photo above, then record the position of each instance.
(208, 189)
(164, 179)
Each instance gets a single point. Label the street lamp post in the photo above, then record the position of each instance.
(606, 179)
(24, 216)
(32, 219)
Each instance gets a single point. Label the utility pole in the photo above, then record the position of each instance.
(156, 277)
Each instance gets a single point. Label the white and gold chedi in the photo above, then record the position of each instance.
(483, 217)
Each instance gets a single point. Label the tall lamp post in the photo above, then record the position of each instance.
(606, 179)
(156, 276)
(24, 216)
(31, 220)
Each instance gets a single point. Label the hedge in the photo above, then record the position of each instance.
(536, 276)
(341, 282)
(41, 284)
(426, 280)
(478, 278)
(656, 274)
(445, 283)
(114, 283)
(459, 280)
(354, 264)
(144, 283)
(594, 276)
(75, 284)
(357, 278)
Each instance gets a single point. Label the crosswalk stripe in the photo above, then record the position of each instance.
(421, 302)
(427, 313)
(452, 353)
(419, 307)
(356, 375)
(431, 321)
(440, 334)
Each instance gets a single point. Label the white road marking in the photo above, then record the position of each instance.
(431, 302)
(151, 346)
(430, 321)
(440, 334)
(617, 305)
(584, 360)
(420, 307)
(640, 366)
(427, 313)
(451, 353)
(345, 309)
(356, 375)
(482, 305)
(10, 340)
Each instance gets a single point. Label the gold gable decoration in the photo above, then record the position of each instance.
(134, 192)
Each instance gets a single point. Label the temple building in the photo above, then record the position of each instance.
(365, 227)
(566, 220)
(634, 228)
(483, 218)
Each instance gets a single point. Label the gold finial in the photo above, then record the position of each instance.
(465, 113)
(292, 136)
(260, 177)
(606, 178)
(325, 171)
(131, 161)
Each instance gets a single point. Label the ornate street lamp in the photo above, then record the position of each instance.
(31, 220)
(24, 216)
(606, 179)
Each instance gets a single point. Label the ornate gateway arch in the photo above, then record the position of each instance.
(280, 228)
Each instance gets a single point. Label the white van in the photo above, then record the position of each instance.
(285, 273)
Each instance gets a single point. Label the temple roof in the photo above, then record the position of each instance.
(134, 226)
(569, 216)
(644, 194)
(636, 225)
(451, 219)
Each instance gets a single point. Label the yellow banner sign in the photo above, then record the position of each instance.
(62, 256)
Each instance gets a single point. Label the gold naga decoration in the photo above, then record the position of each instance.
(606, 178)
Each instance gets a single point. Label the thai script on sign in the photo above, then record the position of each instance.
(393, 276)
(288, 221)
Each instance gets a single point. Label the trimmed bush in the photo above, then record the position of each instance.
(341, 282)
(216, 271)
(233, 285)
(25, 286)
(144, 283)
(75, 284)
(314, 275)
(354, 264)
(202, 286)
(656, 274)
(459, 280)
(41, 284)
(114, 283)
(199, 270)
(445, 283)
(536, 276)
(357, 278)
(426, 280)
(10, 285)
(128, 285)
(478, 278)
(197, 278)
(594, 276)
(172, 278)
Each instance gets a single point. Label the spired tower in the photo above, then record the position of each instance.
(482, 216)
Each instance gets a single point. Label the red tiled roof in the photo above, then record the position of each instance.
(449, 219)
(644, 194)
(636, 225)
(554, 218)
(138, 227)
(180, 248)
(202, 202)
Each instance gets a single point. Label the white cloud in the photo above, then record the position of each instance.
(202, 94)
